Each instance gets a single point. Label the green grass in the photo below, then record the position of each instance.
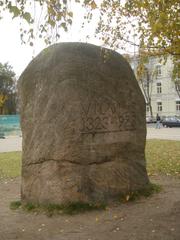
(163, 157)
(147, 191)
(51, 209)
(81, 207)
(15, 205)
(10, 164)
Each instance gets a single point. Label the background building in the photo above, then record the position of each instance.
(161, 93)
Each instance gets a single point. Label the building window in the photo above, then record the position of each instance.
(159, 106)
(159, 87)
(158, 70)
(178, 106)
(147, 108)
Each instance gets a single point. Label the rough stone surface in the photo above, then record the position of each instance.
(83, 126)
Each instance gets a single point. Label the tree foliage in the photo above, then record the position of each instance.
(154, 23)
(45, 17)
(7, 88)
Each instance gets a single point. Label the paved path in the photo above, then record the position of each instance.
(163, 133)
(15, 143)
(11, 144)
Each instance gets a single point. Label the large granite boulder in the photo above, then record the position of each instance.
(83, 126)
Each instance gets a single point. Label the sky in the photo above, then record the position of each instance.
(11, 50)
(19, 55)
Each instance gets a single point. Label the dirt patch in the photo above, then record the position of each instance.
(156, 218)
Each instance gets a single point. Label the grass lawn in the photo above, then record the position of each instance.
(162, 156)
(10, 164)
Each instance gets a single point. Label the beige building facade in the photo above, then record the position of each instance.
(164, 98)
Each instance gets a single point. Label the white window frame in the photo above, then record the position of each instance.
(159, 87)
(159, 106)
(177, 105)
(159, 70)
(147, 108)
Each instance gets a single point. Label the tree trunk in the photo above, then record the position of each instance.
(151, 112)
(1, 110)
(177, 86)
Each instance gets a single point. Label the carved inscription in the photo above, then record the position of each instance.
(100, 116)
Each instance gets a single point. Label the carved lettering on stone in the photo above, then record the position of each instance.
(102, 116)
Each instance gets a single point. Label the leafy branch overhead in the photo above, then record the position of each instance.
(155, 22)
(45, 17)
(151, 24)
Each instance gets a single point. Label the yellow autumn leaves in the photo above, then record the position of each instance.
(3, 99)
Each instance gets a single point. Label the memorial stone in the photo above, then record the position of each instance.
(83, 126)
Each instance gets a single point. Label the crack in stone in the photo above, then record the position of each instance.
(42, 160)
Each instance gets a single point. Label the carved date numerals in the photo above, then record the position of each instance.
(126, 122)
(93, 124)
(99, 117)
